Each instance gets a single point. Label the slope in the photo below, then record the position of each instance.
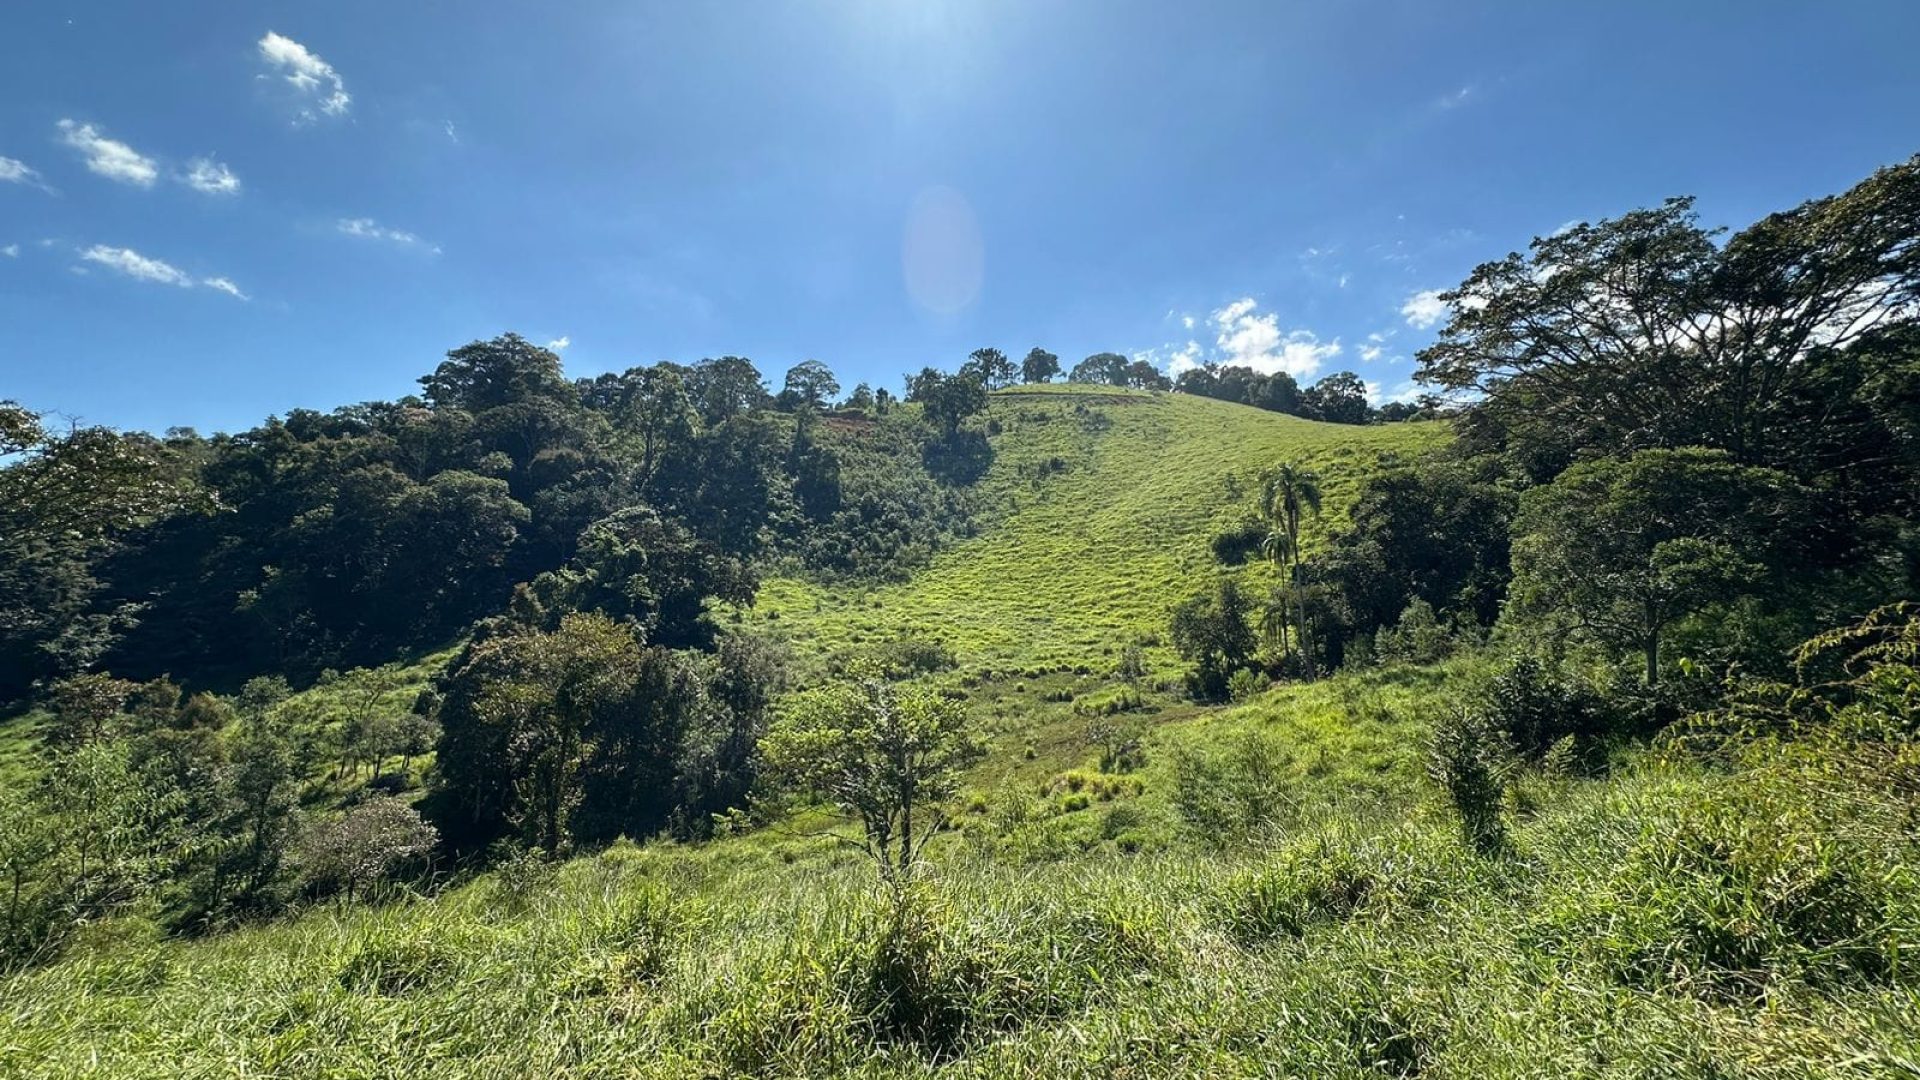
(1101, 506)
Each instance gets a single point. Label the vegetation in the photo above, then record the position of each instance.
(769, 735)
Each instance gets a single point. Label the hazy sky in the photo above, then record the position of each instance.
(210, 212)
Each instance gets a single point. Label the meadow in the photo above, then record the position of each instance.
(1269, 887)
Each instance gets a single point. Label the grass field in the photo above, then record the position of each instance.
(1102, 506)
(1351, 943)
(1269, 888)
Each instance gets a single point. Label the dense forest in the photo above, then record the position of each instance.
(1603, 656)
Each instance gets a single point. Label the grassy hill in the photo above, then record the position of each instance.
(1101, 508)
(1272, 889)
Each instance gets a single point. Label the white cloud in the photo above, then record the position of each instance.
(14, 171)
(369, 229)
(312, 78)
(11, 251)
(1370, 353)
(1407, 390)
(1174, 359)
(110, 158)
(1186, 321)
(141, 268)
(135, 265)
(559, 344)
(210, 177)
(1423, 309)
(1250, 338)
(224, 285)
(1456, 99)
(451, 134)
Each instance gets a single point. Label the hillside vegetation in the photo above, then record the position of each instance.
(660, 725)
(1104, 503)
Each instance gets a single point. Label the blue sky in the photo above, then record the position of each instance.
(210, 212)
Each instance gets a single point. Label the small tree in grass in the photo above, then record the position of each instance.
(887, 755)
(364, 845)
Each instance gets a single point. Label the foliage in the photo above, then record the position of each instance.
(66, 500)
(1471, 760)
(1629, 547)
(582, 734)
(881, 753)
(364, 846)
(1214, 634)
(1642, 331)
(1040, 366)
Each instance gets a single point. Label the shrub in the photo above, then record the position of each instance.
(910, 655)
(391, 966)
(1239, 542)
(369, 843)
(1245, 684)
(1233, 794)
(1118, 742)
(1535, 706)
(1472, 761)
(1418, 637)
(1308, 883)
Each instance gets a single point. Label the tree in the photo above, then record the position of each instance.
(68, 498)
(641, 567)
(488, 374)
(1340, 398)
(261, 792)
(992, 367)
(1289, 495)
(810, 383)
(580, 668)
(1629, 547)
(888, 755)
(1212, 633)
(1641, 331)
(947, 400)
(369, 695)
(1430, 530)
(725, 388)
(1106, 369)
(653, 406)
(87, 709)
(368, 843)
(1142, 375)
(1040, 366)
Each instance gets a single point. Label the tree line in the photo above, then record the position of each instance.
(1672, 444)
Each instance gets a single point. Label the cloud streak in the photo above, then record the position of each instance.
(1423, 309)
(15, 171)
(314, 80)
(210, 177)
(369, 229)
(110, 158)
(130, 263)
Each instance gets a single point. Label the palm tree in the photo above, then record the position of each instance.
(1274, 619)
(1288, 495)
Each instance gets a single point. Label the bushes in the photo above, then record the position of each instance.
(1805, 871)
(1471, 760)
(932, 975)
(1231, 795)
(1307, 883)
(379, 838)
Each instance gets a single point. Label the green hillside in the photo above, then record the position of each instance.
(1269, 888)
(1101, 505)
